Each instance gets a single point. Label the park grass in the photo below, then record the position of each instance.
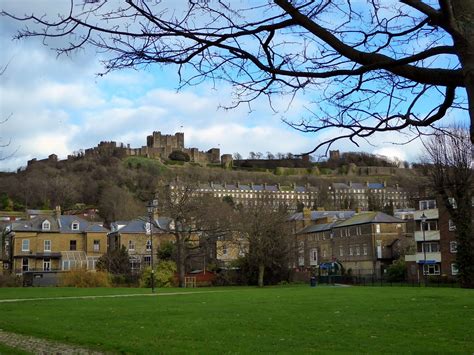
(249, 320)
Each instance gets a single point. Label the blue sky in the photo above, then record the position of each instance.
(59, 105)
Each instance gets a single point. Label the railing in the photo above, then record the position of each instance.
(431, 281)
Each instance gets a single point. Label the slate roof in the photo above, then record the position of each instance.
(255, 187)
(369, 217)
(63, 224)
(314, 228)
(322, 214)
(138, 225)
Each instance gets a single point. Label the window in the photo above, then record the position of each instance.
(46, 264)
(454, 269)
(341, 251)
(452, 202)
(224, 249)
(147, 228)
(148, 245)
(377, 228)
(429, 225)
(314, 255)
(46, 226)
(451, 225)
(365, 249)
(47, 245)
(431, 269)
(427, 204)
(131, 245)
(25, 245)
(66, 265)
(351, 251)
(147, 260)
(324, 252)
(25, 264)
(453, 247)
(357, 250)
(75, 226)
(72, 245)
(430, 247)
(96, 245)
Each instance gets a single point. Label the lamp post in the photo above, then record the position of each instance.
(152, 207)
(423, 246)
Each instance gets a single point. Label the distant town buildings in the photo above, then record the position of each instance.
(339, 195)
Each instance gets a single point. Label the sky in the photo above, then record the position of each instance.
(60, 105)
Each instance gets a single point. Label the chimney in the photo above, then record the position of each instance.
(350, 183)
(211, 184)
(264, 185)
(384, 183)
(279, 186)
(306, 214)
(251, 186)
(293, 186)
(237, 184)
(367, 183)
(57, 211)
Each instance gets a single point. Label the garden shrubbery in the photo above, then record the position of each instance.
(84, 278)
(164, 275)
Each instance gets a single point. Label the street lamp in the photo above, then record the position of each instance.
(423, 221)
(152, 207)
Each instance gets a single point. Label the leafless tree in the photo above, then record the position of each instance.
(266, 232)
(381, 66)
(450, 158)
(195, 219)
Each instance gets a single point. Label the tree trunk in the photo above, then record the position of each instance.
(261, 271)
(463, 23)
(180, 260)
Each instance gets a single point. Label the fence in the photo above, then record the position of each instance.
(432, 281)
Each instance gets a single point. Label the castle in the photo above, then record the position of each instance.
(160, 146)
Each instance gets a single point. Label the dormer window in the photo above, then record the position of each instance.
(46, 226)
(75, 226)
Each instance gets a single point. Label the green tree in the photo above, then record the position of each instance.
(179, 156)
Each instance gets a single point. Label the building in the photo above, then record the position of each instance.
(367, 196)
(436, 245)
(135, 236)
(251, 194)
(52, 243)
(363, 245)
(158, 146)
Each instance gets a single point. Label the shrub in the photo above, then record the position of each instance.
(397, 271)
(164, 275)
(84, 278)
(9, 280)
(179, 156)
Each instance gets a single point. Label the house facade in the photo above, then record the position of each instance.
(436, 245)
(363, 245)
(52, 243)
(136, 236)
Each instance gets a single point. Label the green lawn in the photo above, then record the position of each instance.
(248, 320)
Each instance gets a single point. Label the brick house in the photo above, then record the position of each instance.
(436, 245)
(364, 244)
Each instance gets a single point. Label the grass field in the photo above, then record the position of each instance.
(248, 320)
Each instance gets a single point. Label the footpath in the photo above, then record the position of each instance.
(41, 346)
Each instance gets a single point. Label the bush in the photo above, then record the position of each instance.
(9, 280)
(397, 271)
(179, 156)
(84, 278)
(164, 275)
